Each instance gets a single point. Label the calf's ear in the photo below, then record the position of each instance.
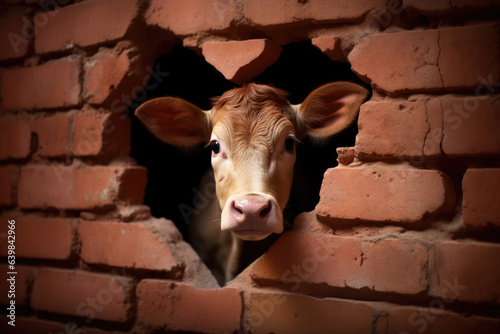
(329, 109)
(175, 121)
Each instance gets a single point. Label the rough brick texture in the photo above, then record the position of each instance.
(481, 197)
(192, 16)
(399, 129)
(242, 61)
(282, 12)
(399, 62)
(129, 245)
(83, 294)
(384, 194)
(437, 319)
(330, 46)
(52, 134)
(15, 138)
(162, 304)
(85, 24)
(52, 85)
(112, 72)
(426, 60)
(66, 187)
(311, 261)
(465, 273)
(15, 38)
(47, 136)
(270, 312)
(479, 51)
(9, 176)
(42, 238)
(470, 124)
(100, 133)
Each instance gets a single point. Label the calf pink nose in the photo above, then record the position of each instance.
(251, 210)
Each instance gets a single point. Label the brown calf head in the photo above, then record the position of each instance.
(252, 132)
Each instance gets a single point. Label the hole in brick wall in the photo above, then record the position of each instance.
(173, 175)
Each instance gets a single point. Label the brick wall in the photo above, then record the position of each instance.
(405, 238)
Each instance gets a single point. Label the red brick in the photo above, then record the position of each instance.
(384, 194)
(345, 155)
(100, 133)
(241, 61)
(277, 312)
(111, 72)
(174, 306)
(467, 271)
(15, 37)
(478, 47)
(79, 293)
(436, 319)
(42, 238)
(130, 245)
(15, 138)
(23, 281)
(427, 60)
(282, 12)
(399, 62)
(85, 24)
(314, 261)
(9, 176)
(192, 16)
(399, 129)
(80, 188)
(471, 125)
(440, 7)
(52, 134)
(51, 85)
(195, 272)
(330, 46)
(481, 198)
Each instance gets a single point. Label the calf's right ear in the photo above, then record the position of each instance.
(175, 121)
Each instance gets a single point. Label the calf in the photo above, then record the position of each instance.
(252, 132)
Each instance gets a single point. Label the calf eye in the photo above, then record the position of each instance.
(215, 147)
(289, 143)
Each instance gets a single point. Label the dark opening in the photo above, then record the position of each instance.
(174, 175)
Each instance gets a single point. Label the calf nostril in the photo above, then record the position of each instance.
(266, 210)
(236, 207)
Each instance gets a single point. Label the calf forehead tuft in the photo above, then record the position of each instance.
(254, 115)
(252, 94)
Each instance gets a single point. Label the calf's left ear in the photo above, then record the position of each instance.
(329, 109)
